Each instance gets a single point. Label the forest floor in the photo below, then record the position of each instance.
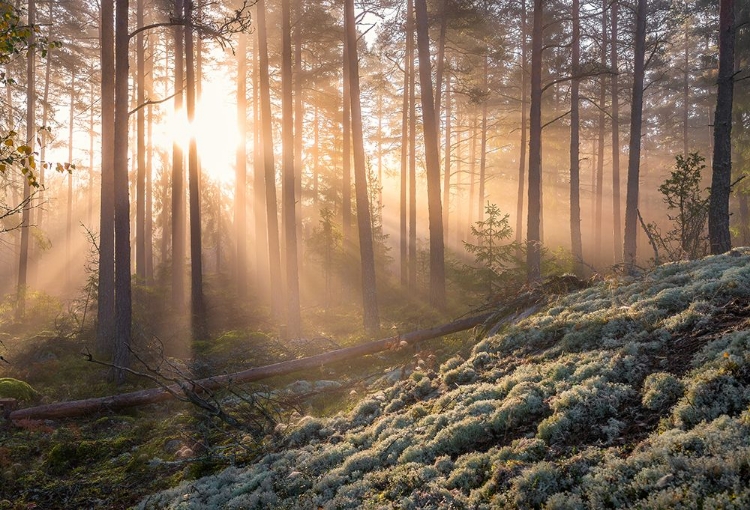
(633, 392)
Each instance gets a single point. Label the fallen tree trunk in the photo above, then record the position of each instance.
(151, 396)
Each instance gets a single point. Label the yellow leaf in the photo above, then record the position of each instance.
(9, 142)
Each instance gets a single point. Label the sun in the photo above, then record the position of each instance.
(214, 128)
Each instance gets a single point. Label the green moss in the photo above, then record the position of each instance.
(13, 388)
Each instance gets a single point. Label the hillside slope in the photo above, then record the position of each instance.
(631, 393)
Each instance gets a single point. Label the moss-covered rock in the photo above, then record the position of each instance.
(13, 388)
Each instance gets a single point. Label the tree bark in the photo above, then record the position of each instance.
(718, 212)
(105, 324)
(346, 161)
(616, 202)
(23, 262)
(240, 189)
(575, 159)
(524, 127)
(634, 156)
(140, 136)
(447, 159)
(123, 305)
(274, 252)
(432, 160)
(293, 320)
(178, 172)
(367, 255)
(259, 186)
(69, 178)
(197, 305)
(599, 203)
(412, 148)
(534, 248)
(403, 204)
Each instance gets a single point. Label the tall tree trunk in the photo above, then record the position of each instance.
(23, 262)
(178, 173)
(197, 305)
(105, 323)
(718, 213)
(686, 92)
(600, 154)
(447, 159)
(259, 187)
(616, 202)
(412, 148)
(432, 160)
(524, 127)
(366, 251)
(534, 248)
(299, 117)
(575, 159)
(123, 305)
(274, 251)
(140, 137)
(634, 156)
(293, 320)
(69, 205)
(149, 219)
(472, 172)
(92, 134)
(346, 186)
(403, 239)
(459, 207)
(482, 153)
(166, 206)
(240, 188)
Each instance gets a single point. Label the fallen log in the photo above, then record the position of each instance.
(154, 395)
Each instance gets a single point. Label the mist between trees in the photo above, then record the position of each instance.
(279, 161)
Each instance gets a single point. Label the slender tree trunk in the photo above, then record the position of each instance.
(105, 325)
(482, 155)
(447, 159)
(299, 117)
(472, 172)
(123, 305)
(634, 156)
(524, 127)
(178, 174)
(259, 187)
(534, 248)
(293, 320)
(240, 189)
(459, 207)
(432, 160)
(686, 92)
(149, 218)
(367, 255)
(412, 148)
(575, 167)
(69, 205)
(274, 251)
(718, 213)
(403, 244)
(90, 195)
(600, 155)
(197, 306)
(616, 213)
(140, 136)
(30, 137)
(346, 186)
(166, 205)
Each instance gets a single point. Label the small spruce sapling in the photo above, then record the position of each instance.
(494, 257)
(325, 244)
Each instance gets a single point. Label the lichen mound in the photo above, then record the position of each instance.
(633, 393)
(13, 388)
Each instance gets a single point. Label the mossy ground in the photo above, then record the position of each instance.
(634, 393)
(114, 460)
